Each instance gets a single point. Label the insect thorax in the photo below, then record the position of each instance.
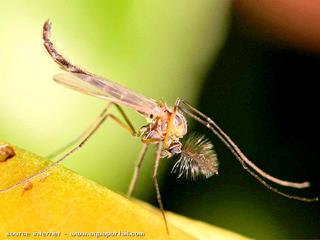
(157, 129)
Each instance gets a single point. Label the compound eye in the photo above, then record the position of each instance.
(180, 125)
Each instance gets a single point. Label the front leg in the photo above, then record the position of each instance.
(137, 168)
(156, 184)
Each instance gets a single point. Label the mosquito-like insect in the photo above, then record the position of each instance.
(165, 128)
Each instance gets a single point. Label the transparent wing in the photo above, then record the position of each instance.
(109, 90)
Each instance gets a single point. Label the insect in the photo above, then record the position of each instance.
(166, 127)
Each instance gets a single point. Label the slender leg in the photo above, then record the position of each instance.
(84, 133)
(236, 150)
(129, 127)
(209, 123)
(73, 150)
(137, 168)
(156, 184)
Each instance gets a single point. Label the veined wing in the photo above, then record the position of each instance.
(109, 90)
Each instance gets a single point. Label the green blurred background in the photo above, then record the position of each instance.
(201, 51)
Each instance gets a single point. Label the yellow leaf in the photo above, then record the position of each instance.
(64, 203)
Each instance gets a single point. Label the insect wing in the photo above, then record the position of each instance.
(109, 90)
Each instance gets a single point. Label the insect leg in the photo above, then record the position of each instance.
(129, 127)
(84, 133)
(100, 121)
(137, 168)
(156, 184)
(209, 123)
